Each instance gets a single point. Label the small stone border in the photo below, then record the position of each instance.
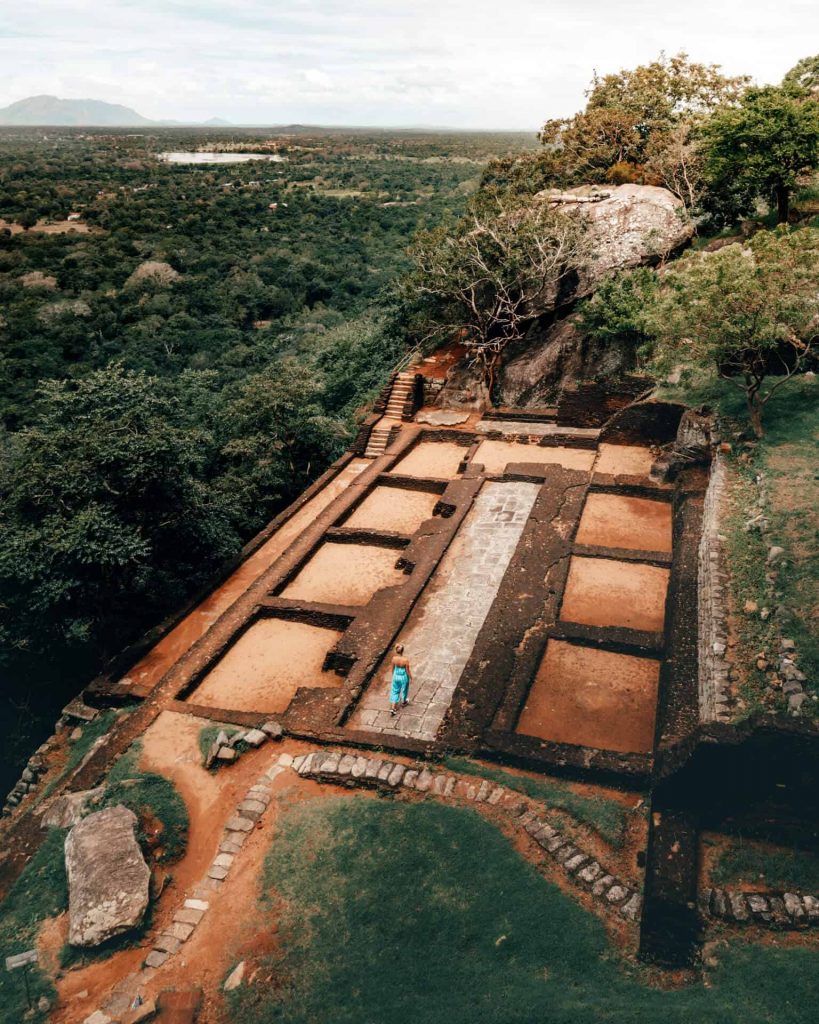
(784, 910)
(580, 867)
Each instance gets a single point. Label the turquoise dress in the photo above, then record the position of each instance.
(399, 690)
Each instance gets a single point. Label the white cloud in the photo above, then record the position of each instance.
(470, 63)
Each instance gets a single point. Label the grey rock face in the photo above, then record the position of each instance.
(107, 877)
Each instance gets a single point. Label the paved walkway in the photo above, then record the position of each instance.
(441, 632)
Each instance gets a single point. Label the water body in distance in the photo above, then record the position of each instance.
(218, 158)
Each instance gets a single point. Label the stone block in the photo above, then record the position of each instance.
(238, 824)
(438, 785)
(602, 885)
(188, 916)
(496, 794)
(308, 765)
(449, 787)
(98, 1017)
(285, 760)
(384, 770)
(719, 903)
(180, 931)
(396, 775)
(359, 768)
(147, 1010)
(373, 768)
(261, 793)
(631, 908)
(794, 907)
(739, 908)
(255, 738)
(167, 943)
(196, 904)
(218, 872)
(575, 862)
(811, 907)
(544, 834)
(554, 844)
(345, 765)
(252, 809)
(273, 730)
(273, 773)
(223, 860)
(590, 873)
(565, 852)
(296, 763)
(616, 894)
(483, 792)
(156, 958)
(226, 754)
(758, 904)
(329, 766)
(409, 778)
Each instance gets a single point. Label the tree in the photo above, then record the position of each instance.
(638, 126)
(503, 264)
(749, 312)
(761, 147)
(803, 77)
(106, 517)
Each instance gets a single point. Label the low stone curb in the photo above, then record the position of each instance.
(785, 910)
(381, 773)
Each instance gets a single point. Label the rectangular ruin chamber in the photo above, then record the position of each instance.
(607, 592)
(267, 664)
(345, 574)
(436, 460)
(393, 509)
(617, 521)
(495, 456)
(624, 460)
(592, 698)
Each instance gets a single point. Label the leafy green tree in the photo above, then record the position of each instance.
(106, 517)
(617, 312)
(278, 438)
(803, 77)
(759, 148)
(749, 313)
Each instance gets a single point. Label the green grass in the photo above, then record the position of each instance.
(607, 817)
(40, 892)
(149, 795)
(91, 732)
(423, 913)
(748, 862)
(207, 737)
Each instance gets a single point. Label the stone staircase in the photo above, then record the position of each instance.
(399, 395)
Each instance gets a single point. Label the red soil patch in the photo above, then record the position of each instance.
(592, 698)
(390, 508)
(347, 574)
(436, 460)
(170, 649)
(266, 666)
(607, 592)
(615, 521)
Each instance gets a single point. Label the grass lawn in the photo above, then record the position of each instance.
(607, 817)
(422, 914)
(786, 455)
(749, 862)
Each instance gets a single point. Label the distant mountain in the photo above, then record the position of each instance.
(50, 110)
(217, 122)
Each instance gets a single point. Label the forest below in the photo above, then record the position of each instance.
(182, 348)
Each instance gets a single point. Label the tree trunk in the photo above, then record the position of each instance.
(755, 414)
(783, 203)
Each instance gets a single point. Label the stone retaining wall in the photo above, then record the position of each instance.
(770, 910)
(712, 612)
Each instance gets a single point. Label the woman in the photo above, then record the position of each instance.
(401, 679)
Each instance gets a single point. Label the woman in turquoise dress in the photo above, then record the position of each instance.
(401, 679)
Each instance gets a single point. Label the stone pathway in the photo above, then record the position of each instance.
(441, 632)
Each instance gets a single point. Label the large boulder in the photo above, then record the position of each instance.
(108, 878)
(629, 226)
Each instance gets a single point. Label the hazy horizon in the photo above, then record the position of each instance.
(455, 65)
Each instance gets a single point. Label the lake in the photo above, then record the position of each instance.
(218, 158)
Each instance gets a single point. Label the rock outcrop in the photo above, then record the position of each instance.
(108, 878)
(630, 225)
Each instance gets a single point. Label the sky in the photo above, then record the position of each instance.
(502, 64)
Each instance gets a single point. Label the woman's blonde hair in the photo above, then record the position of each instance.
(399, 648)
